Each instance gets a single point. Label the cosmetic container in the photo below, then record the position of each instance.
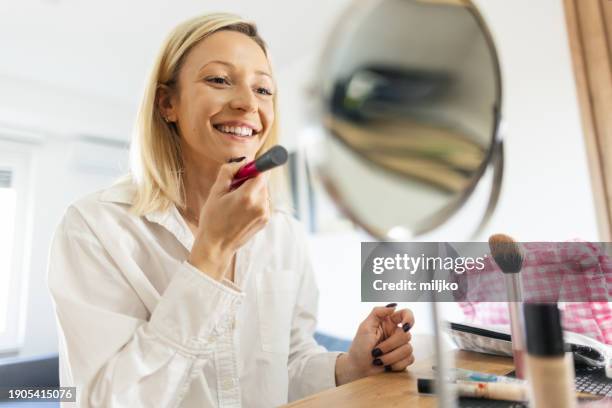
(550, 369)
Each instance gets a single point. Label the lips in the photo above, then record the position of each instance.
(237, 128)
(241, 131)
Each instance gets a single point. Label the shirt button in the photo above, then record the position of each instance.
(228, 383)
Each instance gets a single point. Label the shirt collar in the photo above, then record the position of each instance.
(124, 191)
(171, 220)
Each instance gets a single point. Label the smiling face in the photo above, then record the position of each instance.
(223, 105)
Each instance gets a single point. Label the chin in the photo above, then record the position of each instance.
(239, 151)
(231, 148)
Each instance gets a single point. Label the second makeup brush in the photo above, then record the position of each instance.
(509, 257)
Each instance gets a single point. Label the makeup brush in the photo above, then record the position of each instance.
(508, 256)
(276, 156)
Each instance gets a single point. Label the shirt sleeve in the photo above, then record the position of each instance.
(311, 367)
(114, 351)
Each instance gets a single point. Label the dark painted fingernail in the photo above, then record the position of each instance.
(236, 159)
(377, 361)
(406, 327)
(391, 305)
(377, 352)
(388, 369)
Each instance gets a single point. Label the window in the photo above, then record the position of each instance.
(8, 201)
(14, 170)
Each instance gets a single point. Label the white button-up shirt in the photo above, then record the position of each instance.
(139, 326)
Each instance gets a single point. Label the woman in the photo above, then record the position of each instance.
(170, 290)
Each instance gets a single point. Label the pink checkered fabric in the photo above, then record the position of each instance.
(570, 272)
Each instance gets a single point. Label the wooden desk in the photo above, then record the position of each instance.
(399, 389)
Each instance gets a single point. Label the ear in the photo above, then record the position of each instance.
(164, 98)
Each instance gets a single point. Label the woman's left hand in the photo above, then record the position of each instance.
(382, 342)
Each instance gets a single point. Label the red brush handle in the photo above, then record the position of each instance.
(276, 156)
(244, 173)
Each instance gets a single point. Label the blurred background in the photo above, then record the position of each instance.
(71, 78)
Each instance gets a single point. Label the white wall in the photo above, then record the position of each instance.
(546, 195)
(47, 109)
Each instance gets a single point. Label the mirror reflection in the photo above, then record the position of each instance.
(411, 103)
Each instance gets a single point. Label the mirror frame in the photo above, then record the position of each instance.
(352, 18)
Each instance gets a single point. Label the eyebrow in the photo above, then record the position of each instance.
(232, 66)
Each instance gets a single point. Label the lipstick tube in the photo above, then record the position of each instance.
(276, 156)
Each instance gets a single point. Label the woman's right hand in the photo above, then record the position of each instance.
(228, 219)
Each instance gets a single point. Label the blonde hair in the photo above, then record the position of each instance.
(156, 161)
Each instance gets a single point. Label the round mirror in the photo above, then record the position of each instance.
(410, 101)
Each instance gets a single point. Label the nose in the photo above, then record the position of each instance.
(243, 99)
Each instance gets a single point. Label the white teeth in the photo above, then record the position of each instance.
(236, 130)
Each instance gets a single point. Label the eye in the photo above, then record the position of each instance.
(264, 91)
(218, 80)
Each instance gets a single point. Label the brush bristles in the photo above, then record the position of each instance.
(506, 252)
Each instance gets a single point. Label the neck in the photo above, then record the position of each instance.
(198, 178)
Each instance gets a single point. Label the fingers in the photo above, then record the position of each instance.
(396, 357)
(224, 178)
(401, 365)
(254, 196)
(388, 327)
(403, 318)
(397, 339)
(253, 200)
(395, 349)
(255, 185)
(377, 316)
